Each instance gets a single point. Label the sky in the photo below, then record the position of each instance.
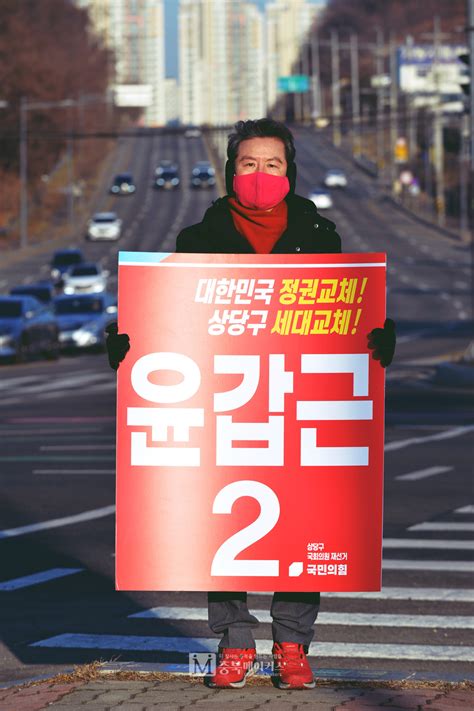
(171, 30)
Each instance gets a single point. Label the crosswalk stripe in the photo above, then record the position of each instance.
(58, 522)
(185, 645)
(442, 526)
(67, 383)
(420, 543)
(458, 566)
(324, 618)
(447, 434)
(465, 509)
(423, 473)
(109, 472)
(37, 578)
(76, 447)
(418, 594)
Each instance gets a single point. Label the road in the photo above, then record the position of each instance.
(57, 458)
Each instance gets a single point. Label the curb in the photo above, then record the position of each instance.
(327, 675)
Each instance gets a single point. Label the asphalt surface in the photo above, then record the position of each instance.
(57, 458)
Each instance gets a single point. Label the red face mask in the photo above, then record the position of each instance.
(260, 191)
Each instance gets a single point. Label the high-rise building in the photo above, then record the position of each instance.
(221, 61)
(134, 30)
(287, 24)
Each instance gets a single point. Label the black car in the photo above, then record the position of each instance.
(62, 260)
(166, 176)
(44, 291)
(203, 175)
(123, 184)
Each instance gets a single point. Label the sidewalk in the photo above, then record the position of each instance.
(174, 692)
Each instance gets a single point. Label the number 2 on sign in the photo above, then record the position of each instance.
(224, 562)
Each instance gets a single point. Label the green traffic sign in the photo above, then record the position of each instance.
(295, 84)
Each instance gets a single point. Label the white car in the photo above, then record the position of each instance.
(335, 179)
(85, 278)
(104, 225)
(321, 199)
(192, 132)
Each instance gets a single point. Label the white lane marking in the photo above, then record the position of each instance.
(419, 594)
(74, 471)
(3, 282)
(453, 566)
(458, 304)
(324, 618)
(423, 473)
(62, 383)
(425, 543)
(445, 296)
(15, 381)
(58, 522)
(264, 646)
(405, 279)
(447, 434)
(461, 284)
(75, 447)
(442, 526)
(37, 578)
(53, 430)
(465, 509)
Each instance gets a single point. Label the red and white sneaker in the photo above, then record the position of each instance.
(234, 667)
(291, 666)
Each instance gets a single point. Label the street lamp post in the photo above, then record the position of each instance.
(26, 106)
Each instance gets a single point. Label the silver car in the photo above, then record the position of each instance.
(104, 225)
(86, 278)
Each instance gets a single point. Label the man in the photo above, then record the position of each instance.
(261, 214)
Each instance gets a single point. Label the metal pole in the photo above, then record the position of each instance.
(438, 132)
(393, 110)
(23, 173)
(471, 97)
(336, 90)
(305, 96)
(356, 147)
(316, 75)
(463, 178)
(379, 129)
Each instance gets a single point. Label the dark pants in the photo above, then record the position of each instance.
(293, 617)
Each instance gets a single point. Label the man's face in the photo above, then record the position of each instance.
(265, 155)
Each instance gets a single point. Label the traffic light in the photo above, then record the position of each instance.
(465, 77)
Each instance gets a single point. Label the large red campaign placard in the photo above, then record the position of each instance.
(250, 421)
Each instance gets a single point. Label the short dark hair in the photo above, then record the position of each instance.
(260, 128)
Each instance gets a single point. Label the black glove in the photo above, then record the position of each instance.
(117, 345)
(382, 342)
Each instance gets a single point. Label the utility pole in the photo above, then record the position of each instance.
(379, 67)
(25, 106)
(438, 131)
(336, 90)
(23, 174)
(470, 44)
(464, 178)
(305, 97)
(316, 75)
(355, 95)
(393, 109)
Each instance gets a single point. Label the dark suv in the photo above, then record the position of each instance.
(203, 175)
(166, 176)
(123, 184)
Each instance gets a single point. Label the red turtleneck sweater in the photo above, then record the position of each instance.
(262, 228)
